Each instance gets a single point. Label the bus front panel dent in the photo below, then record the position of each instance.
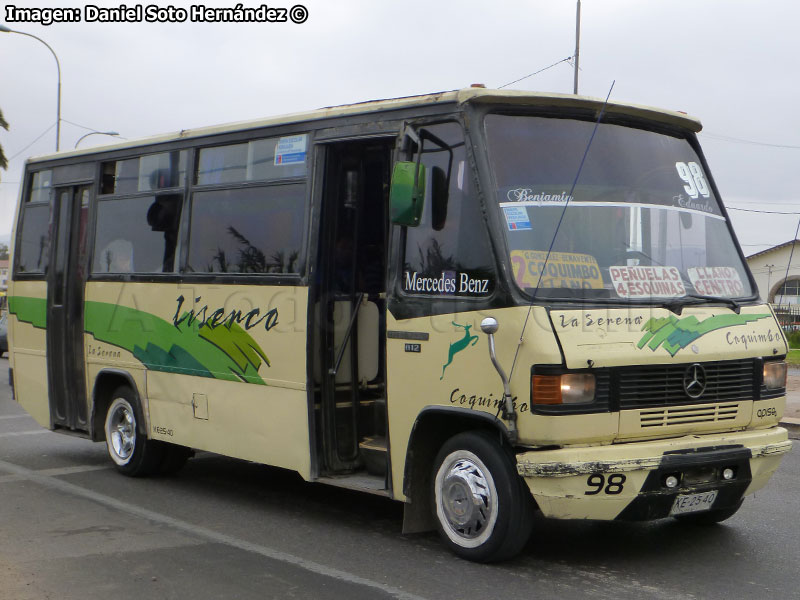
(603, 482)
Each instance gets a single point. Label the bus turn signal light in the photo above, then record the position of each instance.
(569, 388)
(775, 374)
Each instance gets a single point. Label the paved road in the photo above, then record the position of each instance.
(72, 528)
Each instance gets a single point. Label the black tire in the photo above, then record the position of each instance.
(133, 454)
(174, 459)
(709, 517)
(482, 507)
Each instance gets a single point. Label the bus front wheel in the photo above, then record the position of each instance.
(483, 509)
(133, 454)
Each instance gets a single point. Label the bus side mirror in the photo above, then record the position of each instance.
(407, 194)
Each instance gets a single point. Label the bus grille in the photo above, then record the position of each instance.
(662, 385)
(708, 413)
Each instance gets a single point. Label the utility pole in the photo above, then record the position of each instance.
(577, 44)
(769, 278)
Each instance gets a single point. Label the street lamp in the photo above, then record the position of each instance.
(112, 133)
(4, 29)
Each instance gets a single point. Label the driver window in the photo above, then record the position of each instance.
(455, 259)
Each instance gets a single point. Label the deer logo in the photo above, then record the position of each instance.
(459, 345)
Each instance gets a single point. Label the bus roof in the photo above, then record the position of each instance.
(474, 95)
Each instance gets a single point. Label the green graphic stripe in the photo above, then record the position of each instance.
(29, 310)
(222, 352)
(675, 334)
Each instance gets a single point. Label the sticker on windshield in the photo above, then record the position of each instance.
(517, 218)
(563, 270)
(692, 176)
(290, 150)
(645, 282)
(716, 281)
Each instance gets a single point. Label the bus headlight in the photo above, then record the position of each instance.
(568, 388)
(775, 374)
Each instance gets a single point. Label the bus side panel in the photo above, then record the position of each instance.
(452, 369)
(224, 365)
(235, 419)
(28, 343)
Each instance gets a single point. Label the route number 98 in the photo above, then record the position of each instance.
(598, 483)
(692, 176)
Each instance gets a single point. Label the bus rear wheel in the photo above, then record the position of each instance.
(483, 509)
(133, 454)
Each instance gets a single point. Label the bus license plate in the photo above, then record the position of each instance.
(689, 503)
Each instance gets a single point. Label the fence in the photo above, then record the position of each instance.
(788, 316)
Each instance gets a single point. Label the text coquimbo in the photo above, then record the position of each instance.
(153, 13)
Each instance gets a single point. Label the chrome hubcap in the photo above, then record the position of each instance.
(121, 431)
(466, 498)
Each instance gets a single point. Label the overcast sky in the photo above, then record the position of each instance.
(732, 63)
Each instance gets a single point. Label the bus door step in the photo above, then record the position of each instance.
(373, 451)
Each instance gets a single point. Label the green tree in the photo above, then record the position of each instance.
(4, 125)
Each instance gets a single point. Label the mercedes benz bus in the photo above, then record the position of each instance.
(480, 303)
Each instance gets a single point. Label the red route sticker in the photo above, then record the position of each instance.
(716, 281)
(645, 282)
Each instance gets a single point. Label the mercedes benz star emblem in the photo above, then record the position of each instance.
(694, 381)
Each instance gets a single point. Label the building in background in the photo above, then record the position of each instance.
(3, 274)
(777, 285)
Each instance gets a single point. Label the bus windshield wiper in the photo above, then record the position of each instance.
(679, 302)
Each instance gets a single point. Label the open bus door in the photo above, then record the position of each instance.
(349, 353)
(65, 286)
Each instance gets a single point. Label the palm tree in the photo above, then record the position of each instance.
(3, 160)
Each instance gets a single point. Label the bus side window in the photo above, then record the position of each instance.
(138, 213)
(33, 241)
(254, 230)
(137, 235)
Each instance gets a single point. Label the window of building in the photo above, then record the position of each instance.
(788, 293)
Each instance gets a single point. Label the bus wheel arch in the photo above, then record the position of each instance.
(132, 452)
(483, 509)
(434, 426)
(105, 384)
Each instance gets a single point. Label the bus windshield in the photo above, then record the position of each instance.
(642, 224)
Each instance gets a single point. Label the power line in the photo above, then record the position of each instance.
(537, 72)
(760, 203)
(725, 138)
(32, 143)
(79, 125)
(768, 212)
(92, 129)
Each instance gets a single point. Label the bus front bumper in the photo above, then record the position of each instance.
(629, 481)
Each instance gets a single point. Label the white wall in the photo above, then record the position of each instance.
(779, 258)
